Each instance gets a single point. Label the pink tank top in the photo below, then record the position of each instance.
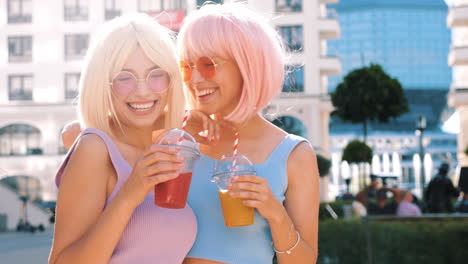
(153, 234)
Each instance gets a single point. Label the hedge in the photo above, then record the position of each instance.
(392, 242)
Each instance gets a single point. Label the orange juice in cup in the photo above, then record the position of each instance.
(234, 211)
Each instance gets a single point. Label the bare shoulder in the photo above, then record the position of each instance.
(91, 148)
(302, 162)
(90, 154)
(82, 191)
(302, 153)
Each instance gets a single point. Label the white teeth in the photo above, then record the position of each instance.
(142, 107)
(204, 92)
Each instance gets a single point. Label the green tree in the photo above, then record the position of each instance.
(368, 94)
(324, 165)
(356, 152)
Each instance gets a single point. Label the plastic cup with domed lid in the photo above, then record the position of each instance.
(235, 213)
(173, 194)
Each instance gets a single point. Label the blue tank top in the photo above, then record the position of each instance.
(239, 245)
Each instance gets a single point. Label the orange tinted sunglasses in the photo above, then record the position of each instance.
(205, 66)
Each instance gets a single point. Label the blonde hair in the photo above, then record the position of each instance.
(106, 56)
(235, 32)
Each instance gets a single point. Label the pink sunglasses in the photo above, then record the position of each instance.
(125, 82)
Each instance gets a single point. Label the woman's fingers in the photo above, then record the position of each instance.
(252, 203)
(161, 148)
(161, 167)
(247, 195)
(247, 186)
(249, 178)
(161, 156)
(202, 140)
(162, 177)
(217, 131)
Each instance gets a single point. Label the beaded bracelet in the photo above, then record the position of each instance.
(292, 248)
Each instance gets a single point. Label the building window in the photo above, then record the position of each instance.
(173, 4)
(292, 36)
(294, 80)
(20, 87)
(201, 2)
(20, 49)
(111, 9)
(20, 139)
(75, 46)
(75, 10)
(71, 85)
(150, 6)
(19, 11)
(288, 5)
(155, 6)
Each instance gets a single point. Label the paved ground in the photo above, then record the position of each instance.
(25, 248)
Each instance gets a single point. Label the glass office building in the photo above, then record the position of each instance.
(409, 38)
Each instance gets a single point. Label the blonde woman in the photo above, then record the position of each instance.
(130, 86)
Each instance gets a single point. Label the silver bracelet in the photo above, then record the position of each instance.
(291, 249)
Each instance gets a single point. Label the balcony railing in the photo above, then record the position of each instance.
(330, 1)
(458, 55)
(20, 58)
(24, 18)
(27, 152)
(458, 97)
(457, 16)
(112, 13)
(76, 13)
(329, 65)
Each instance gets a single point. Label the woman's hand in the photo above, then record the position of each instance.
(256, 193)
(205, 129)
(159, 163)
(70, 132)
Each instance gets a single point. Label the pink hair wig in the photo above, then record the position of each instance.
(232, 31)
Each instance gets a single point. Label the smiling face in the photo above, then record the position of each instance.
(220, 93)
(142, 105)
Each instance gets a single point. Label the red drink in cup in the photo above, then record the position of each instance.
(173, 194)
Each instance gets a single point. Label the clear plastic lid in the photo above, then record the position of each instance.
(224, 170)
(178, 137)
(225, 164)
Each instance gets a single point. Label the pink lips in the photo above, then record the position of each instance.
(205, 98)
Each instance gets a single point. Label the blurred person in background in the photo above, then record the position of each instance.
(440, 191)
(407, 206)
(358, 205)
(382, 205)
(462, 205)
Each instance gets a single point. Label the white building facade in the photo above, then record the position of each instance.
(457, 20)
(304, 106)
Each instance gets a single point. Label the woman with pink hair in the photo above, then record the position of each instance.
(232, 64)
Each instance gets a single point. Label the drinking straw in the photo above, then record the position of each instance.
(184, 124)
(234, 152)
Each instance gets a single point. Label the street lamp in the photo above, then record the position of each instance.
(420, 127)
